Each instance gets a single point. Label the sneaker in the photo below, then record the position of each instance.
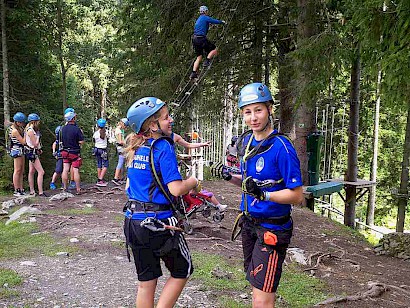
(193, 75)
(116, 182)
(222, 207)
(53, 186)
(32, 194)
(72, 185)
(101, 183)
(43, 194)
(207, 62)
(17, 193)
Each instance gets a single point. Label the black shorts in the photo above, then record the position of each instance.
(148, 249)
(263, 262)
(202, 44)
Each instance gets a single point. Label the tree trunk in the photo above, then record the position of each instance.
(6, 85)
(351, 174)
(285, 69)
(305, 115)
(60, 54)
(258, 46)
(404, 179)
(373, 173)
(103, 102)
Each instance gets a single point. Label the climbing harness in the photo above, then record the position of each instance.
(154, 224)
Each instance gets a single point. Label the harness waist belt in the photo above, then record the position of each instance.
(269, 220)
(198, 36)
(138, 206)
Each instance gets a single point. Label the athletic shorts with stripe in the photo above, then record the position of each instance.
(263, 263)
(145, 245)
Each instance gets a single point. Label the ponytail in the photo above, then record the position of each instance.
(132, 143)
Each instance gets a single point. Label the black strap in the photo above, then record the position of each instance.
(270, 220)
(138, 206)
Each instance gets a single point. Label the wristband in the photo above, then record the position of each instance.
(266, 195)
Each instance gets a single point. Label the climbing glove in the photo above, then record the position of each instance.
(250, 187)
(221, 171)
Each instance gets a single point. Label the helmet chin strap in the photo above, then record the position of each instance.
(159, 130)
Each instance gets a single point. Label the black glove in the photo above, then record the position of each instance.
(249, 187)
(221, 171)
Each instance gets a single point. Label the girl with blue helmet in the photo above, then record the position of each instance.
(16, 147)
(100, 151)
(150, 222)
(266, 156)
(33, 151)
(120, 143)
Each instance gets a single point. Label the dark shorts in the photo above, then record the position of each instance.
(202, 44)
(101, 155)
(263, 262)
(59, 166)
(74, 159)
(147, 248)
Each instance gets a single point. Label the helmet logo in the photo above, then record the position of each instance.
(249, 97)
(261, 90)
(159, 102)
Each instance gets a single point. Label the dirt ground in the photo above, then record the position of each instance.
(99, 274)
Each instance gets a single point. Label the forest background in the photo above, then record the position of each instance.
(98, 57)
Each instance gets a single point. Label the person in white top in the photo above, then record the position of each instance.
(33, 151)
(120, 143)
(100, 151)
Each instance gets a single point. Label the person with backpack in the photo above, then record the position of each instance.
(271, 183)
(55, 147)
(72, 139)
(201, 43)
(33, 151)
(120, 142)
(151, 218)
(100, 151)
(16, 142)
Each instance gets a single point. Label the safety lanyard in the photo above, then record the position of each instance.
(245, 166)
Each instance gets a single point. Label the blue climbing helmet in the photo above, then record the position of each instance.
(141, 110)
(101, 123)
(203, 9)
(69, 109)
(69, 116)
(125, 121)
(19, 117)
(254, 93)
(33, 117)
(57, 130)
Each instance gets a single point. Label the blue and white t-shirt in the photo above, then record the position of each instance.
(277, 160)
(142, 186)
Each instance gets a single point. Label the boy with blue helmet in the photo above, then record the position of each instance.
(266, 157)
(16, 146)
(150, 222)
(100, 151)
(199, 41)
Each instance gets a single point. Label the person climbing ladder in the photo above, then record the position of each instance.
(201, 43)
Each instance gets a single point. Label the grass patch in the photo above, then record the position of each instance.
(10, 278)
(298, 289)
(73, 212)
(204, 264)
(17, 241)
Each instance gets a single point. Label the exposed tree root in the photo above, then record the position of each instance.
(375, 289)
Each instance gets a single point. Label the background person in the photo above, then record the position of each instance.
(232, 153)
(55, 147)
(71, 138)
(200, 42)
(266, 222)
(16, 146)
(149, 118)
(33, 152)
(100, 151)
(120, 143)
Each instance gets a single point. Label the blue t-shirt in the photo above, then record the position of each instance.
(278, 160)
(202, 24)
(142, 186)
(71, 135)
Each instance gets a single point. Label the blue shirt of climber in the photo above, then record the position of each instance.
(202, 24)
(276, 160)
(142, 186)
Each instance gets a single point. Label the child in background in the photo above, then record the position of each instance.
(100, 151)
(120, 142)
(57, 155)
(17, 142)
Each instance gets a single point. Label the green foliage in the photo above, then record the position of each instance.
(17, 240)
